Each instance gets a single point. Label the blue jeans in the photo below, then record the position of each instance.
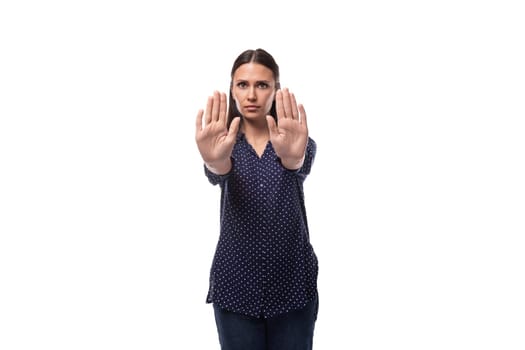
(291, 331)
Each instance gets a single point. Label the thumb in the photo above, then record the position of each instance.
(272, 125)
(234, 128)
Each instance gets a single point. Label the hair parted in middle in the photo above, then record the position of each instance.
(259, 56)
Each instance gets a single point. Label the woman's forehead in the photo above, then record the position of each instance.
(253, 71)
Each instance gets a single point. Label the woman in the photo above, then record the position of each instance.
(263, 279)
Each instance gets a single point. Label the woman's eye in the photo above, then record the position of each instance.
(241, 85)
(262, 85)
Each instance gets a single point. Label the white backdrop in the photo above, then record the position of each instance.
(415, 202)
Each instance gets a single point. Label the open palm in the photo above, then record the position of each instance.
(289, 135)
(214, 141)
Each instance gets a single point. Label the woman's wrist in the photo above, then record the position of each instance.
(221, 167)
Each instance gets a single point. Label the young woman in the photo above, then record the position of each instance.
(263, 279)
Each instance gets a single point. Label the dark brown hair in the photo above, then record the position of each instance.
(259, 56)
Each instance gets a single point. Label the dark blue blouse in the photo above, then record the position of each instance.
(264, 264)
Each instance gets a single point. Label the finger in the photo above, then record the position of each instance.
(302, 113)
(216, 106)
(287, 105)
(293, 102)
(209, 106)
(222, 108)
(198, 122)
(279, 105)
(234, 128)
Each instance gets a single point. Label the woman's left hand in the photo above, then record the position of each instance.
(289, 135)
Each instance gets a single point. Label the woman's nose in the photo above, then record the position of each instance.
(251, 94)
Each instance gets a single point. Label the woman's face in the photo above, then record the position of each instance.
(253, 89)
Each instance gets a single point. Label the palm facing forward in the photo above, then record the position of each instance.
(214, 140)
(289, 135)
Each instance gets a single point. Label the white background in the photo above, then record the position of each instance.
(416, 201)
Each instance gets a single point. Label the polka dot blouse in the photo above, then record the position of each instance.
(264, 264)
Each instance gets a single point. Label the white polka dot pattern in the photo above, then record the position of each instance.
(264, 264)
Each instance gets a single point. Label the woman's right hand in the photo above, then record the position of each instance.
(214, 141)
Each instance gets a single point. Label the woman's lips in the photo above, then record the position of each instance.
(251, 108)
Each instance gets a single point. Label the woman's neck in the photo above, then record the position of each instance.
(257, 135)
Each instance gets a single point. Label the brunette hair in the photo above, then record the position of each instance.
(259, 56)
